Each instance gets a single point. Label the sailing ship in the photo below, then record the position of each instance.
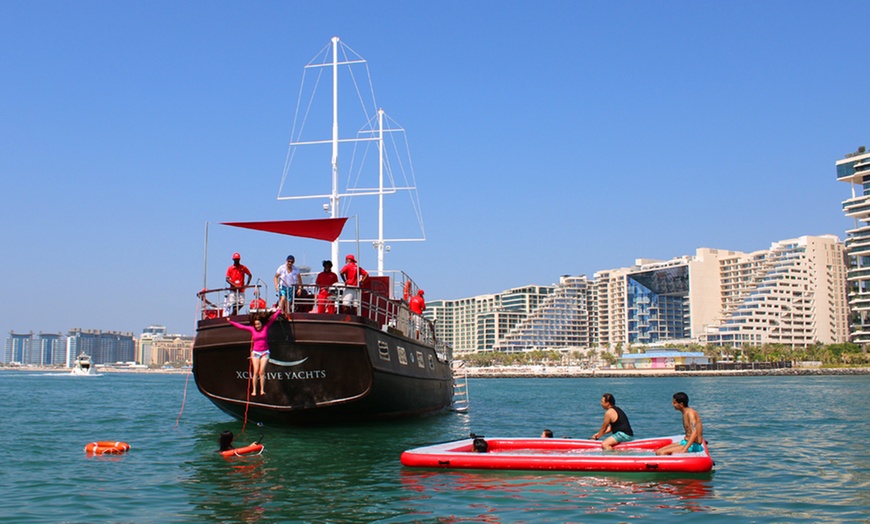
(331, 360)
(83, 366)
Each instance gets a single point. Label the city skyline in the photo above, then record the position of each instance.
(573, 137)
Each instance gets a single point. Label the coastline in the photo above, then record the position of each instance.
(570, 372)
(100, 370)
(537, 372)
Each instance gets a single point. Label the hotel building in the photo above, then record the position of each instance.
(854, 169)
(793, 293)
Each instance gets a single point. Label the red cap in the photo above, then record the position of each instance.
(420, 292)
(350, 257)
(237, 256)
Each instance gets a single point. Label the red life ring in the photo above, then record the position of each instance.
(251, 449)
(406, 291)
(107, 448)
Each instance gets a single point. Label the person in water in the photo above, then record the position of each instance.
(615, 423)
(478, 445)
(226, 440)
(692, 425)
(259, 349)
(547, 433)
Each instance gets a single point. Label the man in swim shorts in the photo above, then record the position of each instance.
(615, 423)
(692, 425)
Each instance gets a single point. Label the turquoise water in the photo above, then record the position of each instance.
(782, 448)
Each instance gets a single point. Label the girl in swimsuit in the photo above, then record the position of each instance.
(259, 349)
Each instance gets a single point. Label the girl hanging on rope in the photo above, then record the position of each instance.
(259, 349)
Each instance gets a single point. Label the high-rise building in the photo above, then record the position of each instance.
(792, 294)
(479, 323)
(556, 320)
(104, 347)
(854, 169)
(18, 348)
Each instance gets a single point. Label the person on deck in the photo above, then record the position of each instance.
(236, 274)
(694, 441)
(353, 277)
(417, 305)
(259, 348)
(288, 283)
(325, 280)
(615, 423)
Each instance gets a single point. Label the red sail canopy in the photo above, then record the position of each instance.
(321, 228)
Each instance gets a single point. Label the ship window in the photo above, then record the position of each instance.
(431, 362)
(383, 350)
(403, 356)
(420, 359)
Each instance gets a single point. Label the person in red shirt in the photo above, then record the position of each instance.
(353, 277)
(325, 280)
(417, 306)
(417, 303)
(236, 279)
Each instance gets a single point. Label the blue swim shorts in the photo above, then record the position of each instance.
(694, 448)
(286, 292)
(619, 436)
(260, 354)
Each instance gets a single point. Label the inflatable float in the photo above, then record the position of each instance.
(557, 454)
(107, 448)
(252, 449)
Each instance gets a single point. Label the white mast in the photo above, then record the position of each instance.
(367, 134)
(380, 241)
(333, 200)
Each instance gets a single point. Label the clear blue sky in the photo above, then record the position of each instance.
(548, 138)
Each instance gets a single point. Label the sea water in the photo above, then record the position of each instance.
(787, 449)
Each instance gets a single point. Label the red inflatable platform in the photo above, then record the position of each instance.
(559, 454)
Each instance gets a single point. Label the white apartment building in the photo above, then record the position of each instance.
(479, 323)
(854, 169)
(793, 293)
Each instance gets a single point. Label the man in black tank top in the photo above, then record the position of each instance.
(615, 423)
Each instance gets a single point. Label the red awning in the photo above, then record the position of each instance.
(321, 228)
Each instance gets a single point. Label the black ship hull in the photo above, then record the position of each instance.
(323, 369)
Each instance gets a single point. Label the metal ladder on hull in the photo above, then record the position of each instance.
(460, 387)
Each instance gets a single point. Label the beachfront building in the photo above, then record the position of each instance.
(17, 347)
(655, 302)
(480, 323)
(559, 320)
(42, 349)
(661, 359)
(158, 349)
(854, 169)
(793, 293)
(104, 347)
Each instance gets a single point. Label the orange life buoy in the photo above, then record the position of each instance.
(406, 292)
(107, 448)
(251, 449)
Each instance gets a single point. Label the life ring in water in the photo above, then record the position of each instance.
(107, 448)
(251, 449)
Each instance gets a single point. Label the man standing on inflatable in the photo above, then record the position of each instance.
(353, 277)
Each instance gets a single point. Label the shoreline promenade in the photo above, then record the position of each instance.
(577, 372)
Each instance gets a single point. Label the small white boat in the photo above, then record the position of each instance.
(84, 366)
